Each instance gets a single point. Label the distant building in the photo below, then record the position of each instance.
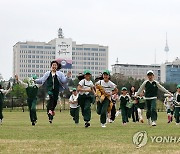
(136, 71)
(170, 72)
(34, 57)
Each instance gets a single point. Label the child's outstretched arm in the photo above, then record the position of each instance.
(25, 85)
(142, 87)
(160, 87)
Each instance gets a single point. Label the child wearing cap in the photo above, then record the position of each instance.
(177, 105)
(2, 94)
(124, 100)
(168, 103)
(85, 87)
(151, 87)
(31, 91)
(140, 104)
(108, 86)
(56, 82)
(74, 107)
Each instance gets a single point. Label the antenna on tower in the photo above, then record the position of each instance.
(60, 33)
(117, 61)
(166, 49)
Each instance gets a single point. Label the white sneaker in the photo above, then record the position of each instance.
(110, 121)
(177, 124)
(153, 123)
(149, 121)
(103, 125)
(117, 113)
(0, 121)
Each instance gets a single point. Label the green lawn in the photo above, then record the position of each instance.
(63, 136)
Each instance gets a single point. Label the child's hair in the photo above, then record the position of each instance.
(58, 64)
(80, 76)
(1, 86)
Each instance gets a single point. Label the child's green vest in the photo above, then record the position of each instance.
(124, 100)
(151, 89)
(32, 92)
(50, 85)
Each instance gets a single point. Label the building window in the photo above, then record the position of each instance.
(39, 47)
(47, 47)
(31, 46)
(79, 48)
(87, 49)
(102, 49)
(23, 46)
(94, 49)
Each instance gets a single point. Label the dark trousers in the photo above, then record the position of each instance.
(52, 102)
(74, 112)
(134, 113)
(85, 103)
(1, 109)
(151, 109)
(124, 113)
(102, 110)
(177, 114)
(32, 109)
(113, 112)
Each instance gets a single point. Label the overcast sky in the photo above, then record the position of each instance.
(132, 29)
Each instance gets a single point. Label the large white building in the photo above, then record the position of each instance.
(170, 72)
(31, 58)
(136, 71)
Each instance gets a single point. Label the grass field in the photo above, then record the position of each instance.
(63, 136)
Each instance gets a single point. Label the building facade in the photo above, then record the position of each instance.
(136, 71)
(31, 58)
(170, 72)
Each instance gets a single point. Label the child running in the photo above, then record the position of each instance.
(124, 100)
(168, 103)
(177, 105)
(31, 91)
(74, 107)
(85, 87)
(114, 99)
(140, 104)
(151, 87)
(56, 82)
(102, 107)
(2, 94)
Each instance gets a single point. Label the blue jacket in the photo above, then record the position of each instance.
(63, 80)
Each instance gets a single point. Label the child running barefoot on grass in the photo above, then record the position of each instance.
(2, 94)
(177, 105)
(74, 107)
(151, 87)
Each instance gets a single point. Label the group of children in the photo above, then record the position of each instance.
(106, 93)
(145, 96)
